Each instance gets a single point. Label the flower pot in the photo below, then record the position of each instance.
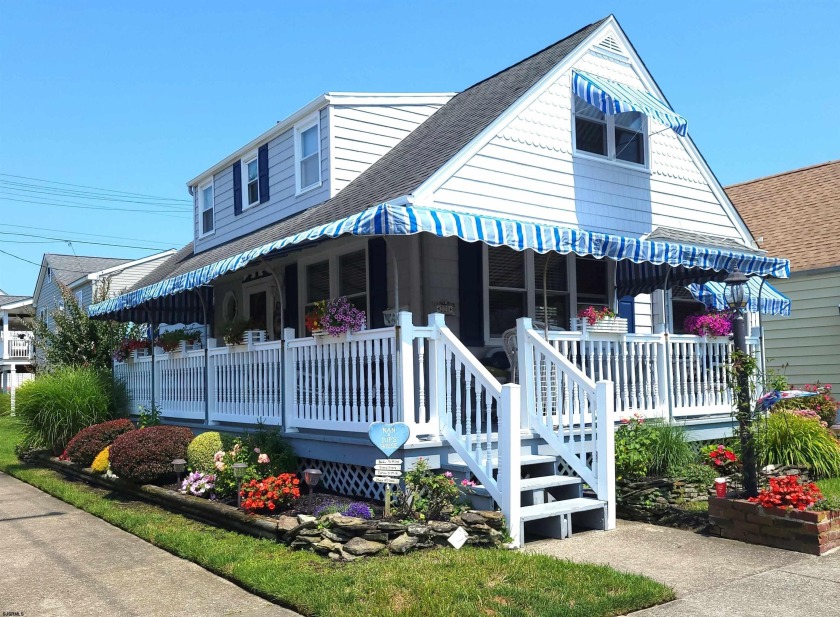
(613, 325)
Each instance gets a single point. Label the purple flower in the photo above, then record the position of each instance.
(359, 510)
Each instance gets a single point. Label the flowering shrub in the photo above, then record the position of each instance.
(788, 492)
(335, 317)
(427, 494)
(823, 403)
(145, 455)
(808, 414)
(709, 324)
(259, 466)
(271, 493)
(90, 441)
(199, 484)
(593, 315)
(100, 463)
(128, 345)
(720, 458)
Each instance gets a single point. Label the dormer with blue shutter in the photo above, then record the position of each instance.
(302, 161)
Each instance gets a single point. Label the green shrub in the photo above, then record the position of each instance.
(787, 439)
(650, 448)
(146, 455)
(269, 441)
(201, 450)
(5, 404)
(55, 406)
(90, 441)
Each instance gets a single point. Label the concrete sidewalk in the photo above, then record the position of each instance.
(58, 560)
(711, 576)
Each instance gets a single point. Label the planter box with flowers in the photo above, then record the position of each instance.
(130, 349)
(592, 319)
(334, 319)
(788, 515)
(709, 324)
(179, 340)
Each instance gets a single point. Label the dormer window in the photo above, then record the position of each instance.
(205, 204)
(251, 180)
(620, 137)
(308, 154)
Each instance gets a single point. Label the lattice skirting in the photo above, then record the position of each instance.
(345, 479)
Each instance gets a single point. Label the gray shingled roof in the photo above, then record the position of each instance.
(404, 168)
(7, 299)
(68, 268)
(695, 238)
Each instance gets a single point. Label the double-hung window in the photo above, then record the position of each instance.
(308, 154)
(205, 204)
(621, 137)
(251, 180)
(507, 288)
(338, 275)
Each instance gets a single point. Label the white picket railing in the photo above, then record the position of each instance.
(245, 383)
(569, 410)
(16, 346)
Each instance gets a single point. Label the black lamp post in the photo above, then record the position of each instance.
(737, 298)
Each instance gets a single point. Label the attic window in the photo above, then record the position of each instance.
(308, 154)
(620, 137)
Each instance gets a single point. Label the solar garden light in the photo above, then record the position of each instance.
(737, 296)
(179, 465)
(312, 477)
(239, 473)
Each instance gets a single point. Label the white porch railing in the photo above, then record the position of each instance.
(16, 346)
(656, 375)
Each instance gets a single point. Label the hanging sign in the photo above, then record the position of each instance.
(383, 480)
(389, 437)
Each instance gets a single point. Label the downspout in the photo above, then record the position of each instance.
(206, 358)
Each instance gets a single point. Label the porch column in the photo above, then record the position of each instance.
(405, 370)
(4, 353)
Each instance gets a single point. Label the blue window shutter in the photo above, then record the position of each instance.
(262, 162)
(237, 187)
(626, 309)
(290, 283)
(377, 281)
(471, 292)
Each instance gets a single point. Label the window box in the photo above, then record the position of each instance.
(614, 325)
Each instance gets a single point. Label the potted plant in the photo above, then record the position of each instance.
(599, 319)
(125, 350)
(179, 337)
(233, 332)
(335, 318)
(714, 323)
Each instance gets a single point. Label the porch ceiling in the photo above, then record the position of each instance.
(701, 263)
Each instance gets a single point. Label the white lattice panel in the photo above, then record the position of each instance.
(345, 479)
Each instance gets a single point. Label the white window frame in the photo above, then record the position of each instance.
(333, 256)
(611, 153)
(246, 160)
(79, 297)
(202, 208)
(312, 121)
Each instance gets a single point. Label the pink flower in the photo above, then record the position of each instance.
(219, 456)
(448, 474)
(220, 465)
(263, 459)
(256, 450)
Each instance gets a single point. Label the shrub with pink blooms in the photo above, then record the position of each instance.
(709, 324)
(427, 494)
(822, 404)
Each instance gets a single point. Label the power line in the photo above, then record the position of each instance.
(5, 184)
(82, 186)
(68, 241)
(84, 233)
(34, 263)
(89, 207)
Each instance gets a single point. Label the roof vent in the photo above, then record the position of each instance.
(610, 44)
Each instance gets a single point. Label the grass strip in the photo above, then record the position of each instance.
(830, 488)
(465, 583)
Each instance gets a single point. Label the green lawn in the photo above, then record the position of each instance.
(465, 583)
(830, 488)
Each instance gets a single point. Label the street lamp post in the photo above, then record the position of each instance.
(737, 298)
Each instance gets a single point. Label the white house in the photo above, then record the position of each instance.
(16, 353)
(562, 182)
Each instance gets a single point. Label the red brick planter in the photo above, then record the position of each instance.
(810, 532)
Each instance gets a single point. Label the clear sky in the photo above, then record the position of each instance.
(140, 97)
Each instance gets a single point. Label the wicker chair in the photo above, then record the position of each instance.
(511, 346)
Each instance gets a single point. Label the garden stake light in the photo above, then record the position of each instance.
(179, 465)
(737, 298)
(239, 473)
(312, 477)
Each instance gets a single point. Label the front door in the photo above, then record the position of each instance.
(258, 304)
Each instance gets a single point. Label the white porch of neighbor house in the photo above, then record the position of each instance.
(17, 351)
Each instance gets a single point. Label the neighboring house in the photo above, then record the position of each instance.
(562, 182)
(84, 276)
(796, 214)
(16, 352)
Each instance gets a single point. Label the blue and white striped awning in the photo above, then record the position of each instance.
(391, 220)
(613, 98)
(764, 299)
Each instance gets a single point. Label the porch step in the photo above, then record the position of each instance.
(544, 482)
(456, 463)
(556, 508)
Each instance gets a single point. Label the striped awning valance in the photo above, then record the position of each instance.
(392, 220)
(613, 98)
(764, 298)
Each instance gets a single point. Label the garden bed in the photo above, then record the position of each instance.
(812, 532)
(663, 501)
(341, 538)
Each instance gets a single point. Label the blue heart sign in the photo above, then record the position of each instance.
(389, 437)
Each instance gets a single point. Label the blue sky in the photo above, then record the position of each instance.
(140, 98)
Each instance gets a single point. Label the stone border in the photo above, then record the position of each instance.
(812, 532)
(341, 538)
(657, 500)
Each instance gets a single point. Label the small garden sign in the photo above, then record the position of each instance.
(388, 437)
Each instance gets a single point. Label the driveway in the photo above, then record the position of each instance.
(711, 576)
(61, 561)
